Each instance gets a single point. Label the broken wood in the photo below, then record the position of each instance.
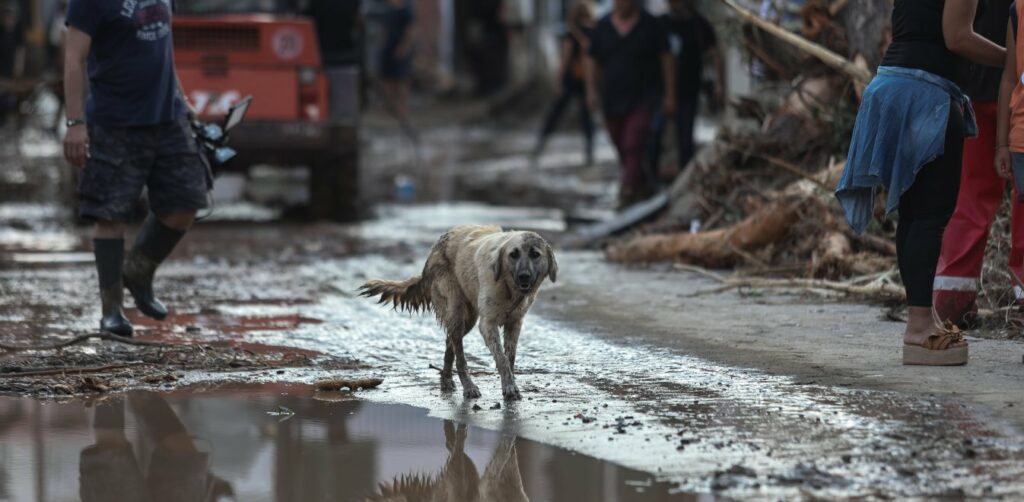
(826, 56)
(715, 248)
(82, 338)
(70, 370)
(351, 385)
(878, 287)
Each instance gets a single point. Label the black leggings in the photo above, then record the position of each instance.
(925, 210)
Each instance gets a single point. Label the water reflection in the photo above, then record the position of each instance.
(165, 465)
(223, 445)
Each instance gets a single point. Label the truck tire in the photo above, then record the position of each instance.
(334, 189)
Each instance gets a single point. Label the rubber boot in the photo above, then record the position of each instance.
(109, 258)
(153, 245)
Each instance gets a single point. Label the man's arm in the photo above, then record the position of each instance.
(76, 52)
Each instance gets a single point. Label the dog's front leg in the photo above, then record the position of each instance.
(489, 330)
(447, 383)
(512, 330)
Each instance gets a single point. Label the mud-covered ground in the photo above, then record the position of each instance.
(634, 388)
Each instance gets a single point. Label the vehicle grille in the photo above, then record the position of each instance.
(223, 38)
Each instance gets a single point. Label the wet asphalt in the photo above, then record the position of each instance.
(606, 415)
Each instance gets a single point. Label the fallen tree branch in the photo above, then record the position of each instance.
(786, 166)
(875, 289)
(715, 248)
(82, 338)
(351, 385)
(858, 74)
(70, 370)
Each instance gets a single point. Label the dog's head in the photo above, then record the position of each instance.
(524, 261)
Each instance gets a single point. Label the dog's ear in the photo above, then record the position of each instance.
(498, 263)
(552, 265)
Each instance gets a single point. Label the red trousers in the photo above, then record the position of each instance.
(629, 133)
(963, 244)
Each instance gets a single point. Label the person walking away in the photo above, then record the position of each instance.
(693, 41)
(981, 192)
(909, 137)
(12, 56)
(629, 54)
(338, 31)
(131, 132)
(570, 81)
(396, 57)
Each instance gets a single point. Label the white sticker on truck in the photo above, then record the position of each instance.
(287, 43)
(214, 103)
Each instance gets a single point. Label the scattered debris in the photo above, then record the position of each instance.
(351, 385)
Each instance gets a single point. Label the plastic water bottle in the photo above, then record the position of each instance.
(405, 188)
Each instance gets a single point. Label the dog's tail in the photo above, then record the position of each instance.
(410, 295)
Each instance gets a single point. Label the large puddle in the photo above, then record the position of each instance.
(284, 443)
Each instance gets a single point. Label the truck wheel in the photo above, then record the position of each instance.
(334, 189)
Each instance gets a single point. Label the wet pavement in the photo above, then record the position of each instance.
(613, 409)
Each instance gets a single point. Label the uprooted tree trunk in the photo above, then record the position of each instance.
(726, 246)
(715, 248)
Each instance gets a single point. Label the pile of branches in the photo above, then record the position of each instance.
(762, 192)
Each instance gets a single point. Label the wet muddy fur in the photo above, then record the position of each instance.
(476, 273)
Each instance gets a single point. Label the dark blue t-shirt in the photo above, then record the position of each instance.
(131, 62)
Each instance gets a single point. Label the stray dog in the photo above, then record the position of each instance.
(476, 272)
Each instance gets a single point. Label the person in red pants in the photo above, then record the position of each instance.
(981, 194)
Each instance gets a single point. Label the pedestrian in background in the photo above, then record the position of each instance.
(12, 56)
(693, 42)
(131, 132)
(909, 138)
(981, 191)
(396, 56)
(630, 71)
(570, 81)
(12, 43)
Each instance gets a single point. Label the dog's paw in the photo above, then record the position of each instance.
(472, 392)
(511, 393)
(447, 384)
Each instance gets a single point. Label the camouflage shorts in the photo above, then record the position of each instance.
(164, 159)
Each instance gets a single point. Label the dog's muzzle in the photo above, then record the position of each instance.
(524, 281)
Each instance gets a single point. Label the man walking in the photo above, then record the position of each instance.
(693, 40)
(131, 132)
(629, 54)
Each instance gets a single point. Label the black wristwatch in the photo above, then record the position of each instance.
(73, 122)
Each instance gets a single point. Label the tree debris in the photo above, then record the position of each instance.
(352, 385)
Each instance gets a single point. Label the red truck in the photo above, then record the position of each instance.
(305, 107)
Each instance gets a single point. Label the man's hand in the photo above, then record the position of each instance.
(76, 145)
(1004, 162)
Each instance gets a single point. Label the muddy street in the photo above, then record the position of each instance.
(636, 385)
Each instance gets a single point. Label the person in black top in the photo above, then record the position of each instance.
(570, 80)
(693, 40)
(930, 41)
(629, 50)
